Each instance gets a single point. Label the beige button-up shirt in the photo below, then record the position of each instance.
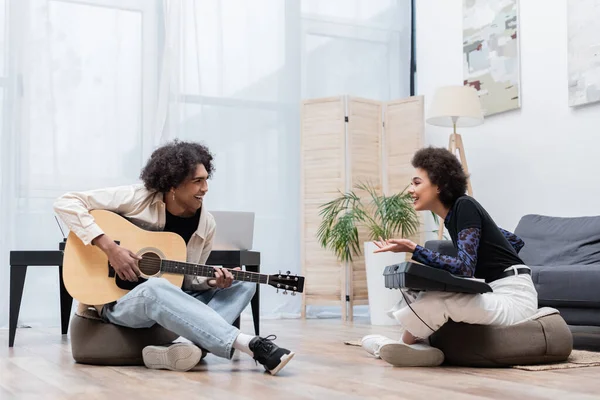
(142, 207)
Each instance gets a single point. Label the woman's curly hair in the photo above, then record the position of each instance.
(444, 170)
(170, 164)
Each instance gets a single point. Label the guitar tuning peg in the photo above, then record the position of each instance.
(277, 291)
(285, 292)
(293, 293)
(288, 272)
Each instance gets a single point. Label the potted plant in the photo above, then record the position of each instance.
(381, 216)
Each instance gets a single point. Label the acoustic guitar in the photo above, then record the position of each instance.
(90, 279)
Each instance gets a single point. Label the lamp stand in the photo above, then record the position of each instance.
(454, 145)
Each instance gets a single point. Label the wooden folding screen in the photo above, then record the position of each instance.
(344, 141)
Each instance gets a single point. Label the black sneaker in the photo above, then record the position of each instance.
(271, 356)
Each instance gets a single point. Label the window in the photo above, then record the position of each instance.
(88, 85)
(356, 47)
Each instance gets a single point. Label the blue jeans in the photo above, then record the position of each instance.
(205, 318)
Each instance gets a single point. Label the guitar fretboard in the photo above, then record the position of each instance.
(178, 267)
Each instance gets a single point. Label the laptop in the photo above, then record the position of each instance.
(235, 230)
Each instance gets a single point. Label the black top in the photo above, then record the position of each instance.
(183, 226)
(495, 253)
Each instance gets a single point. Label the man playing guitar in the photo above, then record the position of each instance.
(175, 181)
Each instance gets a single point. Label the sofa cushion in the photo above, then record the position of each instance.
(567, 285)
(543, 340)
(559, 241)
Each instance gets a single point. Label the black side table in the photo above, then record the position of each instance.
(21, 259)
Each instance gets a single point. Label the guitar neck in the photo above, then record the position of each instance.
(178, 267)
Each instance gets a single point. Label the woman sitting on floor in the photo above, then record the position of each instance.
(484, 250)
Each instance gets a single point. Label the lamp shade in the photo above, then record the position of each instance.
(455, 103)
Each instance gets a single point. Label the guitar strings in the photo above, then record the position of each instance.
(153, 262)
(152, 265)
(157, 263)
(199, 266)
(250, 277)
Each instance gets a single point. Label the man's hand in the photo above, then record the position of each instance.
(395, 245)
(223, 278)
(122, 260)
(125, 263)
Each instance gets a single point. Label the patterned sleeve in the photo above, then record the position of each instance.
(461, 265)
(516, 242)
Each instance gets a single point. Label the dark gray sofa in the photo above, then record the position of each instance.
(564, 255)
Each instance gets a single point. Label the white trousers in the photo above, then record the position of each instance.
(513, 299)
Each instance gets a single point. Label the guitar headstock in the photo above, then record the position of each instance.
(287, 282)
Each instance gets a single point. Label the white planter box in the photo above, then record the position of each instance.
(381, 299)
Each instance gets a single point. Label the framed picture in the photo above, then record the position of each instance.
(491, 53)
(584, 51)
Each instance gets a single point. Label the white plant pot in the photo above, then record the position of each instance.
(381, 299)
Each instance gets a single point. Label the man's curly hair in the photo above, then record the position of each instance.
(170, 164)
(444, 170)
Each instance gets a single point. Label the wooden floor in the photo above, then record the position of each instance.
(40, 366)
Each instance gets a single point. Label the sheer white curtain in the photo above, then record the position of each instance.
(231, 76)
(234, 73)
(81, 93)
(5, 164)
(92, 86)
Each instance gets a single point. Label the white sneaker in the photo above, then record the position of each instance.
(176, 357)
(415, 355)
(372, 343)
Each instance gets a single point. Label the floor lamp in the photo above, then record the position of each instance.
(454, 106)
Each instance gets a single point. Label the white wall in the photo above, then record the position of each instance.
(543, 158)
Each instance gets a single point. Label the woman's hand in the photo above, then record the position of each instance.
(395, 245)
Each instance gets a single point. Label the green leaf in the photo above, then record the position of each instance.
(383, 216)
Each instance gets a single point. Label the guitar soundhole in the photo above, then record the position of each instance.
(149, 264)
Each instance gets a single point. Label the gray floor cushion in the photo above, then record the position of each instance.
(96, 342)
(544, 340)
